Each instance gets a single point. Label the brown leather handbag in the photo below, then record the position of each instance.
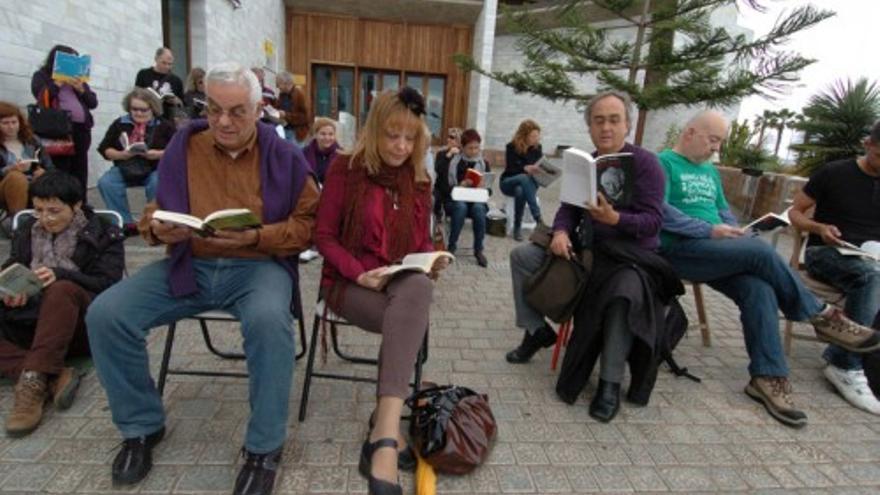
(452, 428)
(555, 289)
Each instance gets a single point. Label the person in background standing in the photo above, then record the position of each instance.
(194, 99)
(292, 105)
(78, 99)
(160, 79)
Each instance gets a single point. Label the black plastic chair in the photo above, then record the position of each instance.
(322, 315)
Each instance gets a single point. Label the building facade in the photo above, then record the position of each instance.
(342, 52)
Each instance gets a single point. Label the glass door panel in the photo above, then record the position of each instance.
(323, 83)
(369, 88)
(434, 103)
(390, 81)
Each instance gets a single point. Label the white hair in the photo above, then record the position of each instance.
(234, 73)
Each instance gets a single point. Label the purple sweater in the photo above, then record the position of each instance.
(283, 173)
(642, 220)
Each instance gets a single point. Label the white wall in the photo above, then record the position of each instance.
(226, 34)
(121, 37)
(29, 28)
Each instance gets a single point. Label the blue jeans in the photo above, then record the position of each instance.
(112, 188)
(751, 273)
(859, 279)
(458, 211)
(257, 292)
(524, 189)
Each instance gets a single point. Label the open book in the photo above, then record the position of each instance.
(475, 176)
(71, 68)
(136, 148)
(869, 249)
(18, 279)
(419, 262)
(769, 221)
(164, 94)
(547, 173)
(586, 176)
(232, 219)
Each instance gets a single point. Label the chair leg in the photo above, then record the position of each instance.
(787, 337)
(343, 355)
(166, 358)
(701, 314)
(302, 338)
(310, 365)
(421, 357)
(560, 341)
(207, 336)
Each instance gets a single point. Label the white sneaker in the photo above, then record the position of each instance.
(853, 386)
(308, 255)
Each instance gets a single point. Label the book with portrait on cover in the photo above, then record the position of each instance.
(585, 176)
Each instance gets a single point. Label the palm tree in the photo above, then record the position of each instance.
(835, 123)
(784, 119)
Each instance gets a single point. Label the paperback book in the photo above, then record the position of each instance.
(585, 176)
(17, 279)
(231, 219)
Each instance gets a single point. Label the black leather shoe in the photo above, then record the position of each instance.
(606, 402)
(257, 476)
(375, 486)
(481, 259)
(135, 459)
(406, 458)
(543, 337)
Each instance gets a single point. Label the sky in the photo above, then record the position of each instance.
(844, 47)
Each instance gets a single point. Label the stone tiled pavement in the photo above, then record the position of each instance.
(706, 437)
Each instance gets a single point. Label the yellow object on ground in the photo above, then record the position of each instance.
(426, 478)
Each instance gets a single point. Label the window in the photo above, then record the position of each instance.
(175, 34)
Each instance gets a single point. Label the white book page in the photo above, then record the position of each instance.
(579, 178)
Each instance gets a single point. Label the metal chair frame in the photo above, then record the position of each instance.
(334, 321)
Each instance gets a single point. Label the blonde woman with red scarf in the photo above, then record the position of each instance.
(375, 209)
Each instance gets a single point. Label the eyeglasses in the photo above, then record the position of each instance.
(140, 109)
(236, 113)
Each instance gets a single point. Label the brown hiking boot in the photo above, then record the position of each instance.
(834, 327)
(63, 388)
(31, 393)
(775, 393)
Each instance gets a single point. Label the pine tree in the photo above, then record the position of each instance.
(683, 59)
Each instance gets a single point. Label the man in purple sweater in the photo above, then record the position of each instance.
(608, 119)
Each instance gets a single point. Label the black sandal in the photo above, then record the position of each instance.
(376, 486)
(406, 458)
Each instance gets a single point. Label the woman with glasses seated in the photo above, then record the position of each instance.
(134, 142)
(452, 172)
(75, 254)
(375, 208)
(21, 158)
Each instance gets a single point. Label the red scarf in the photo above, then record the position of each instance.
(401, 191)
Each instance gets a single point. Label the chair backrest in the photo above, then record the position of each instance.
(110, 215)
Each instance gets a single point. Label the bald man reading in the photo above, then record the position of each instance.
(702, 241)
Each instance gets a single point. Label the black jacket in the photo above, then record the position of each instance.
(159, 134)
(442, 187)
(99, 253)
(650, 285)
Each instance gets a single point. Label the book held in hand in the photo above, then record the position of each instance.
(546, 173)
(769, 221)
(585, 176)
(868, 249)
(475, 176)
(71, 68)
(136, 148)
(419, 262)
(231, 219)
(17, 279)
